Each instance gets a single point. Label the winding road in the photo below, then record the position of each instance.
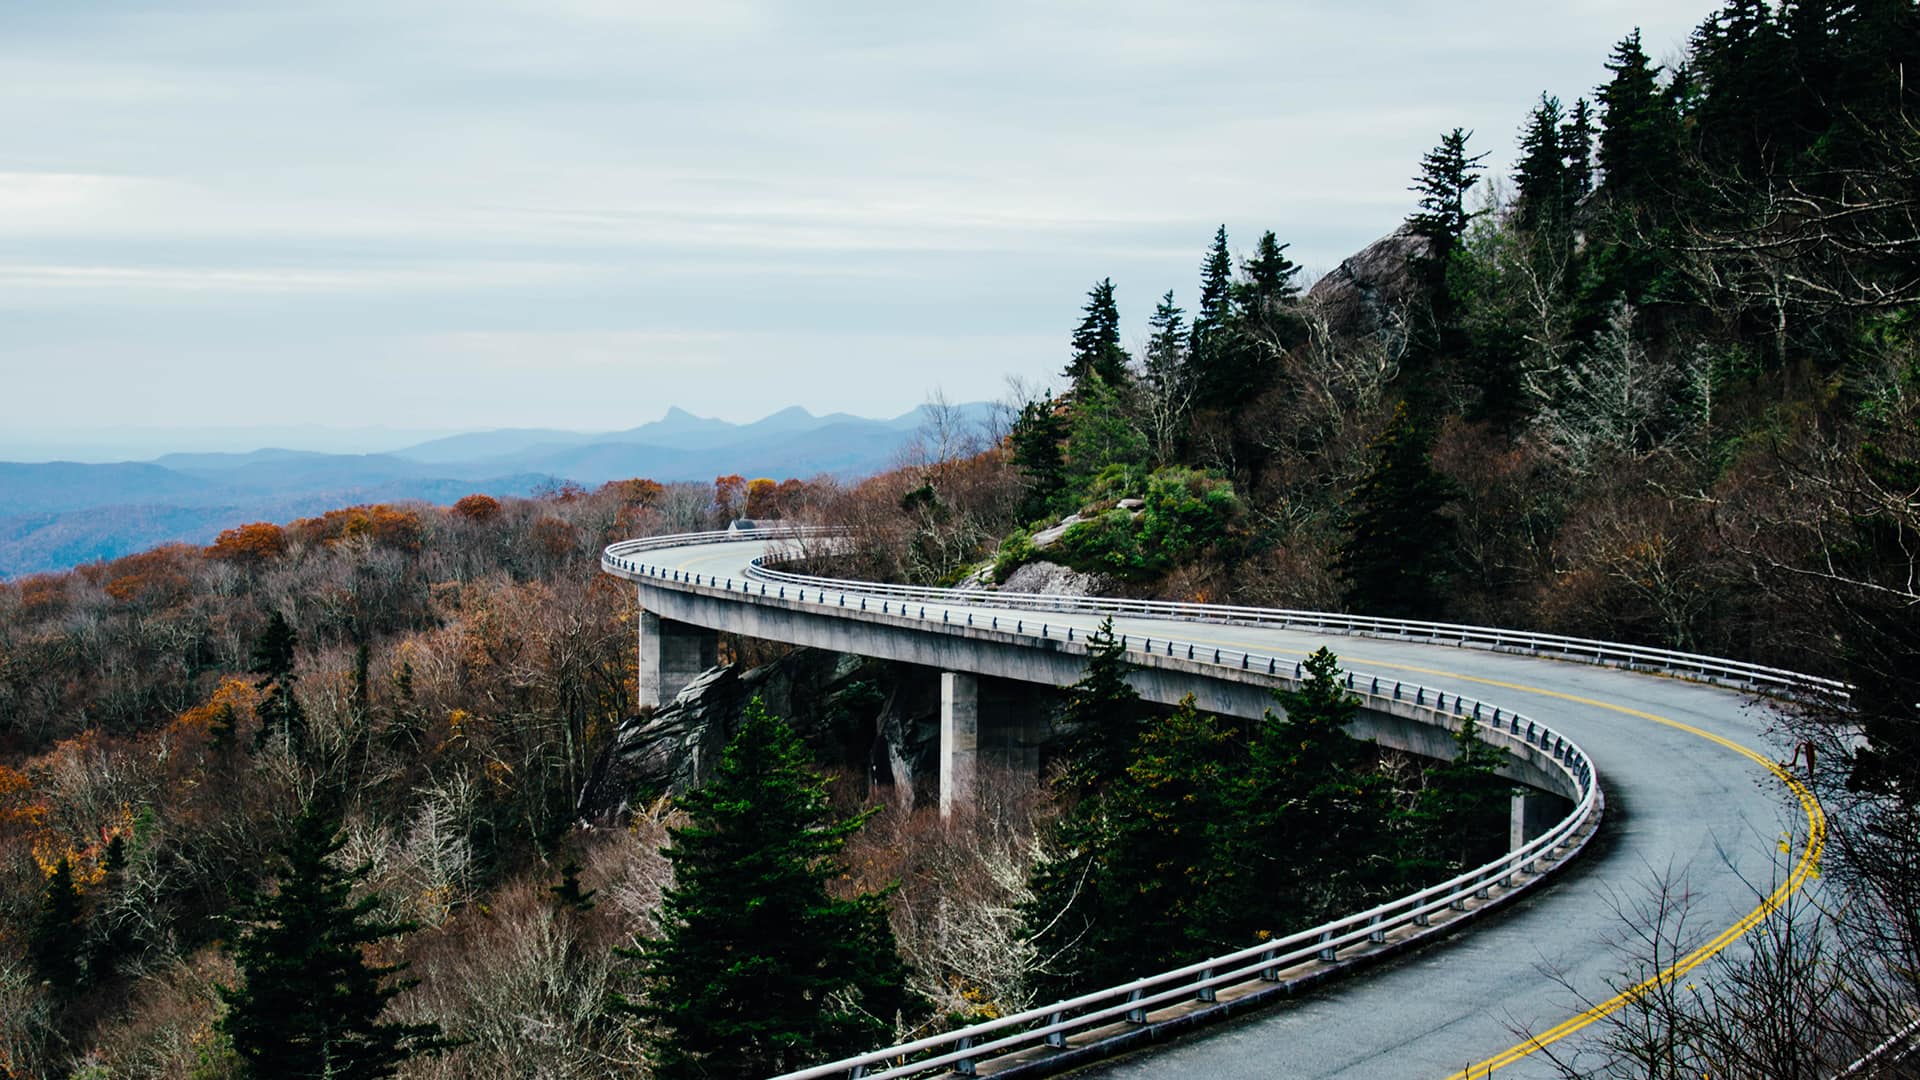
(1693, 793)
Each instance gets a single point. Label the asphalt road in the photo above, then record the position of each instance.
(1681, 805)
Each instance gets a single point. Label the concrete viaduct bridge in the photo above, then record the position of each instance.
(1692, 787)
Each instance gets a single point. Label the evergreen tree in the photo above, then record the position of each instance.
(1447, 174)
(1102, 716)
(1208, 351)
(1394, 555)
(568, 893)
(1576, 142)
(281, 712)
(1166, 358)
(1458, 817)
(1035, 444)
(1101, 433)
(1096, 342)
(758, 969)
(1635, 143)
(310, 1004)
(1541, 176)
(1128, 891)
(1269, 278)
(57, 940)
(1312, 811)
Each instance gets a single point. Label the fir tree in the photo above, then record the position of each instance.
(310, 1004)
(1035, 444)
(1211, 339)
(1096, 342)
(1102, 716)
(1541, 176)
(1447, 174)
(1166, 358)
(57, 940)
(1635, 136)
(273, 655)
(1269, 278)
(568, 893)
(1456, 821)
(1127, 891)
(1394, 555)
(1576, 142)
(1312, 813)
(758, 970)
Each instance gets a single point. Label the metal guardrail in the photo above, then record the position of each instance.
(1088, 1017)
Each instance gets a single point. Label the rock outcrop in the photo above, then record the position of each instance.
(1361, 295)
(1052, 579)
(868, 716)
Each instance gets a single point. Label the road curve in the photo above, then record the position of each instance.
(1691, 791)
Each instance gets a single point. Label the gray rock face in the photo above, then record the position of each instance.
(1052, 579)
(1360, 295)
(863, 715)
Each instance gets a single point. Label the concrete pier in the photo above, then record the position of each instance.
(959, 740)
(672, 654)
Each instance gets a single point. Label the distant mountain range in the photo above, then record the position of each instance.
(58, 514)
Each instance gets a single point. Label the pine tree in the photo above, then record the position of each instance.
(273, 655)
(1166, 358)
(1541, 176)
(1311, 811)
(1269, 278)
(310, 1004)
(758, 969)
(1211, 339)
(1635, 141)
(57, 940)
(1102, 716)
(1394, 555)
(1035, 444)
(1456, 821)
(1127, 891)
(1576, 142)
(1447, 174)
(568, 893)
(1096, 342)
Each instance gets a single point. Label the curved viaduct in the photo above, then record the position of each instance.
(1690, 780)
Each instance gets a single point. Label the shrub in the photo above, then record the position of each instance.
(1184, 513)
(1015, 551)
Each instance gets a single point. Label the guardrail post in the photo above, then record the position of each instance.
(1425, 918)
(965, 1066)
(1270, 973)
(1207, 993)
(1379, 934)
(1056, 1039)
(1136, 1016)
(1327, 951)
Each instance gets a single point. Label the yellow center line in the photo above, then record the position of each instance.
(1805, 869)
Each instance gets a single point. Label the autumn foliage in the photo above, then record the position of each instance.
(249, 544)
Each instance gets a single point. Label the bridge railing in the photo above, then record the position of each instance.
(1088, 1016)
(1755, 677)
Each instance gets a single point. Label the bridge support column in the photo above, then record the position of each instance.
(1534, 812)
(959, 740)
(672, 654)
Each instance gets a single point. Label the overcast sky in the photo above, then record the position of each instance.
(411, 215)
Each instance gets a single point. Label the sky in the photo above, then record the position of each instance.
(351, 224)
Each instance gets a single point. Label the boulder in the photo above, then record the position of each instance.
(1361, 294)
(1052, 579)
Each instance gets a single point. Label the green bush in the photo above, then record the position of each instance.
(1185, 513)
(1015, 551)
